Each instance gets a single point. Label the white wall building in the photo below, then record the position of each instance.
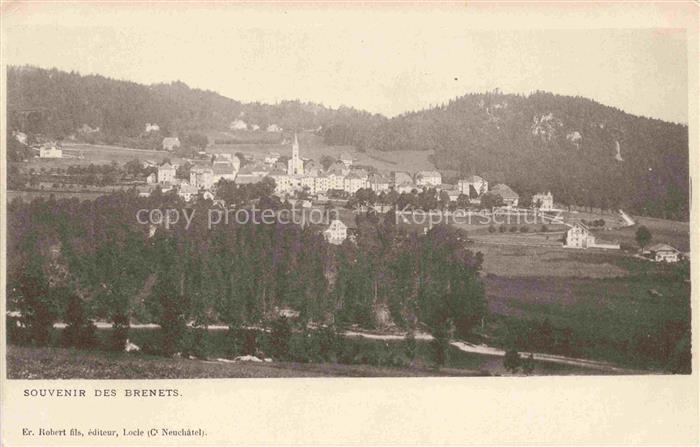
(50, 152)
(166, 173)
(475, 184)
(428, 178)
(543, 201)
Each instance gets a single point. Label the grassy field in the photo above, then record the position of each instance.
(312, 146)
(59, 363)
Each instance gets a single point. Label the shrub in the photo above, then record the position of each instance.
(513, 229)
(120, 332)
(511, 361)
(502, 229)
(196, 343)
(410, 346)
(492, 229)
(524, 229)
(544, 229)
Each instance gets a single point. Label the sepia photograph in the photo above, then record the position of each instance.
(457, 220)
(257, 191)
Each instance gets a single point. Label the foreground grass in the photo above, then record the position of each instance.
(60, 363)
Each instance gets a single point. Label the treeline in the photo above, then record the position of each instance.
(545, 142)
(77, 261)
(65, 102)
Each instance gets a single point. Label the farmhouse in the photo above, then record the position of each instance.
(166, 173)
(580, 236)
(170, 143)
(543, 201)
(663, 253)
(336, 232)
(510, 197)
(50, 151)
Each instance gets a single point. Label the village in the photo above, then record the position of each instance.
(305, 183)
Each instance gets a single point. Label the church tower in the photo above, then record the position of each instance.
(295, 165)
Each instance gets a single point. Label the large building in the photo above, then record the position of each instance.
(202, 177)
(580, 236)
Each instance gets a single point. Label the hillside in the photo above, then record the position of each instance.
(64, 102)
(586, 153)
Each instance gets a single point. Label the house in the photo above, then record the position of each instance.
(510, 197)
(473, 186)
(170, 143)
(166, 173)
(152, 178)
(20, 136)
(149, 164)
(322, 183)
(338, 168)
(580, 236)
(202, 177)
(543, 201)
(152, 127)
(663, 253)
(238, 125)
(336, 232)
(311, 168)
(428, 178)
(346, 159)
(50, 151)
(254, 127)
(274, 128)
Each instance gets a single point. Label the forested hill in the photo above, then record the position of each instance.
(122, 108)
(584, 152)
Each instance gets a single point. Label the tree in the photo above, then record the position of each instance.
(280, 334)
(491, 200)
(642, 236)
(326, 161)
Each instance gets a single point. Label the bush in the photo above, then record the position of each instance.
(524, 229)
(196, 343)
(511, 361)
(492, 229)
(544, 229)
(120, 332)
(502, 229)
(513, 229)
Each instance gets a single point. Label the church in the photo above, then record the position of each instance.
(295, 165)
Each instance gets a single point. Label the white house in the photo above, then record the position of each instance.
(272, 158)
(354, 182)
(152, 127)
(274, 128)
(187, 191)
(50, 152)
(663, 253)
(152, 178)
(543, 201)
(336, 232)
(170, 143)
(166, 173)
(378, 183)
(428, 178)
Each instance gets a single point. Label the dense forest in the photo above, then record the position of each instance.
(585, 153)
(65, 102)
(76, 261)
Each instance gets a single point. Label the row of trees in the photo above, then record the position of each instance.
(77, 261)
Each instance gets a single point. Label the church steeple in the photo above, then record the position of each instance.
(295, 165)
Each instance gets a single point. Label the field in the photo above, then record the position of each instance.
(312, 146)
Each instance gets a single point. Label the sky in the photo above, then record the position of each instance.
(385, 60)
